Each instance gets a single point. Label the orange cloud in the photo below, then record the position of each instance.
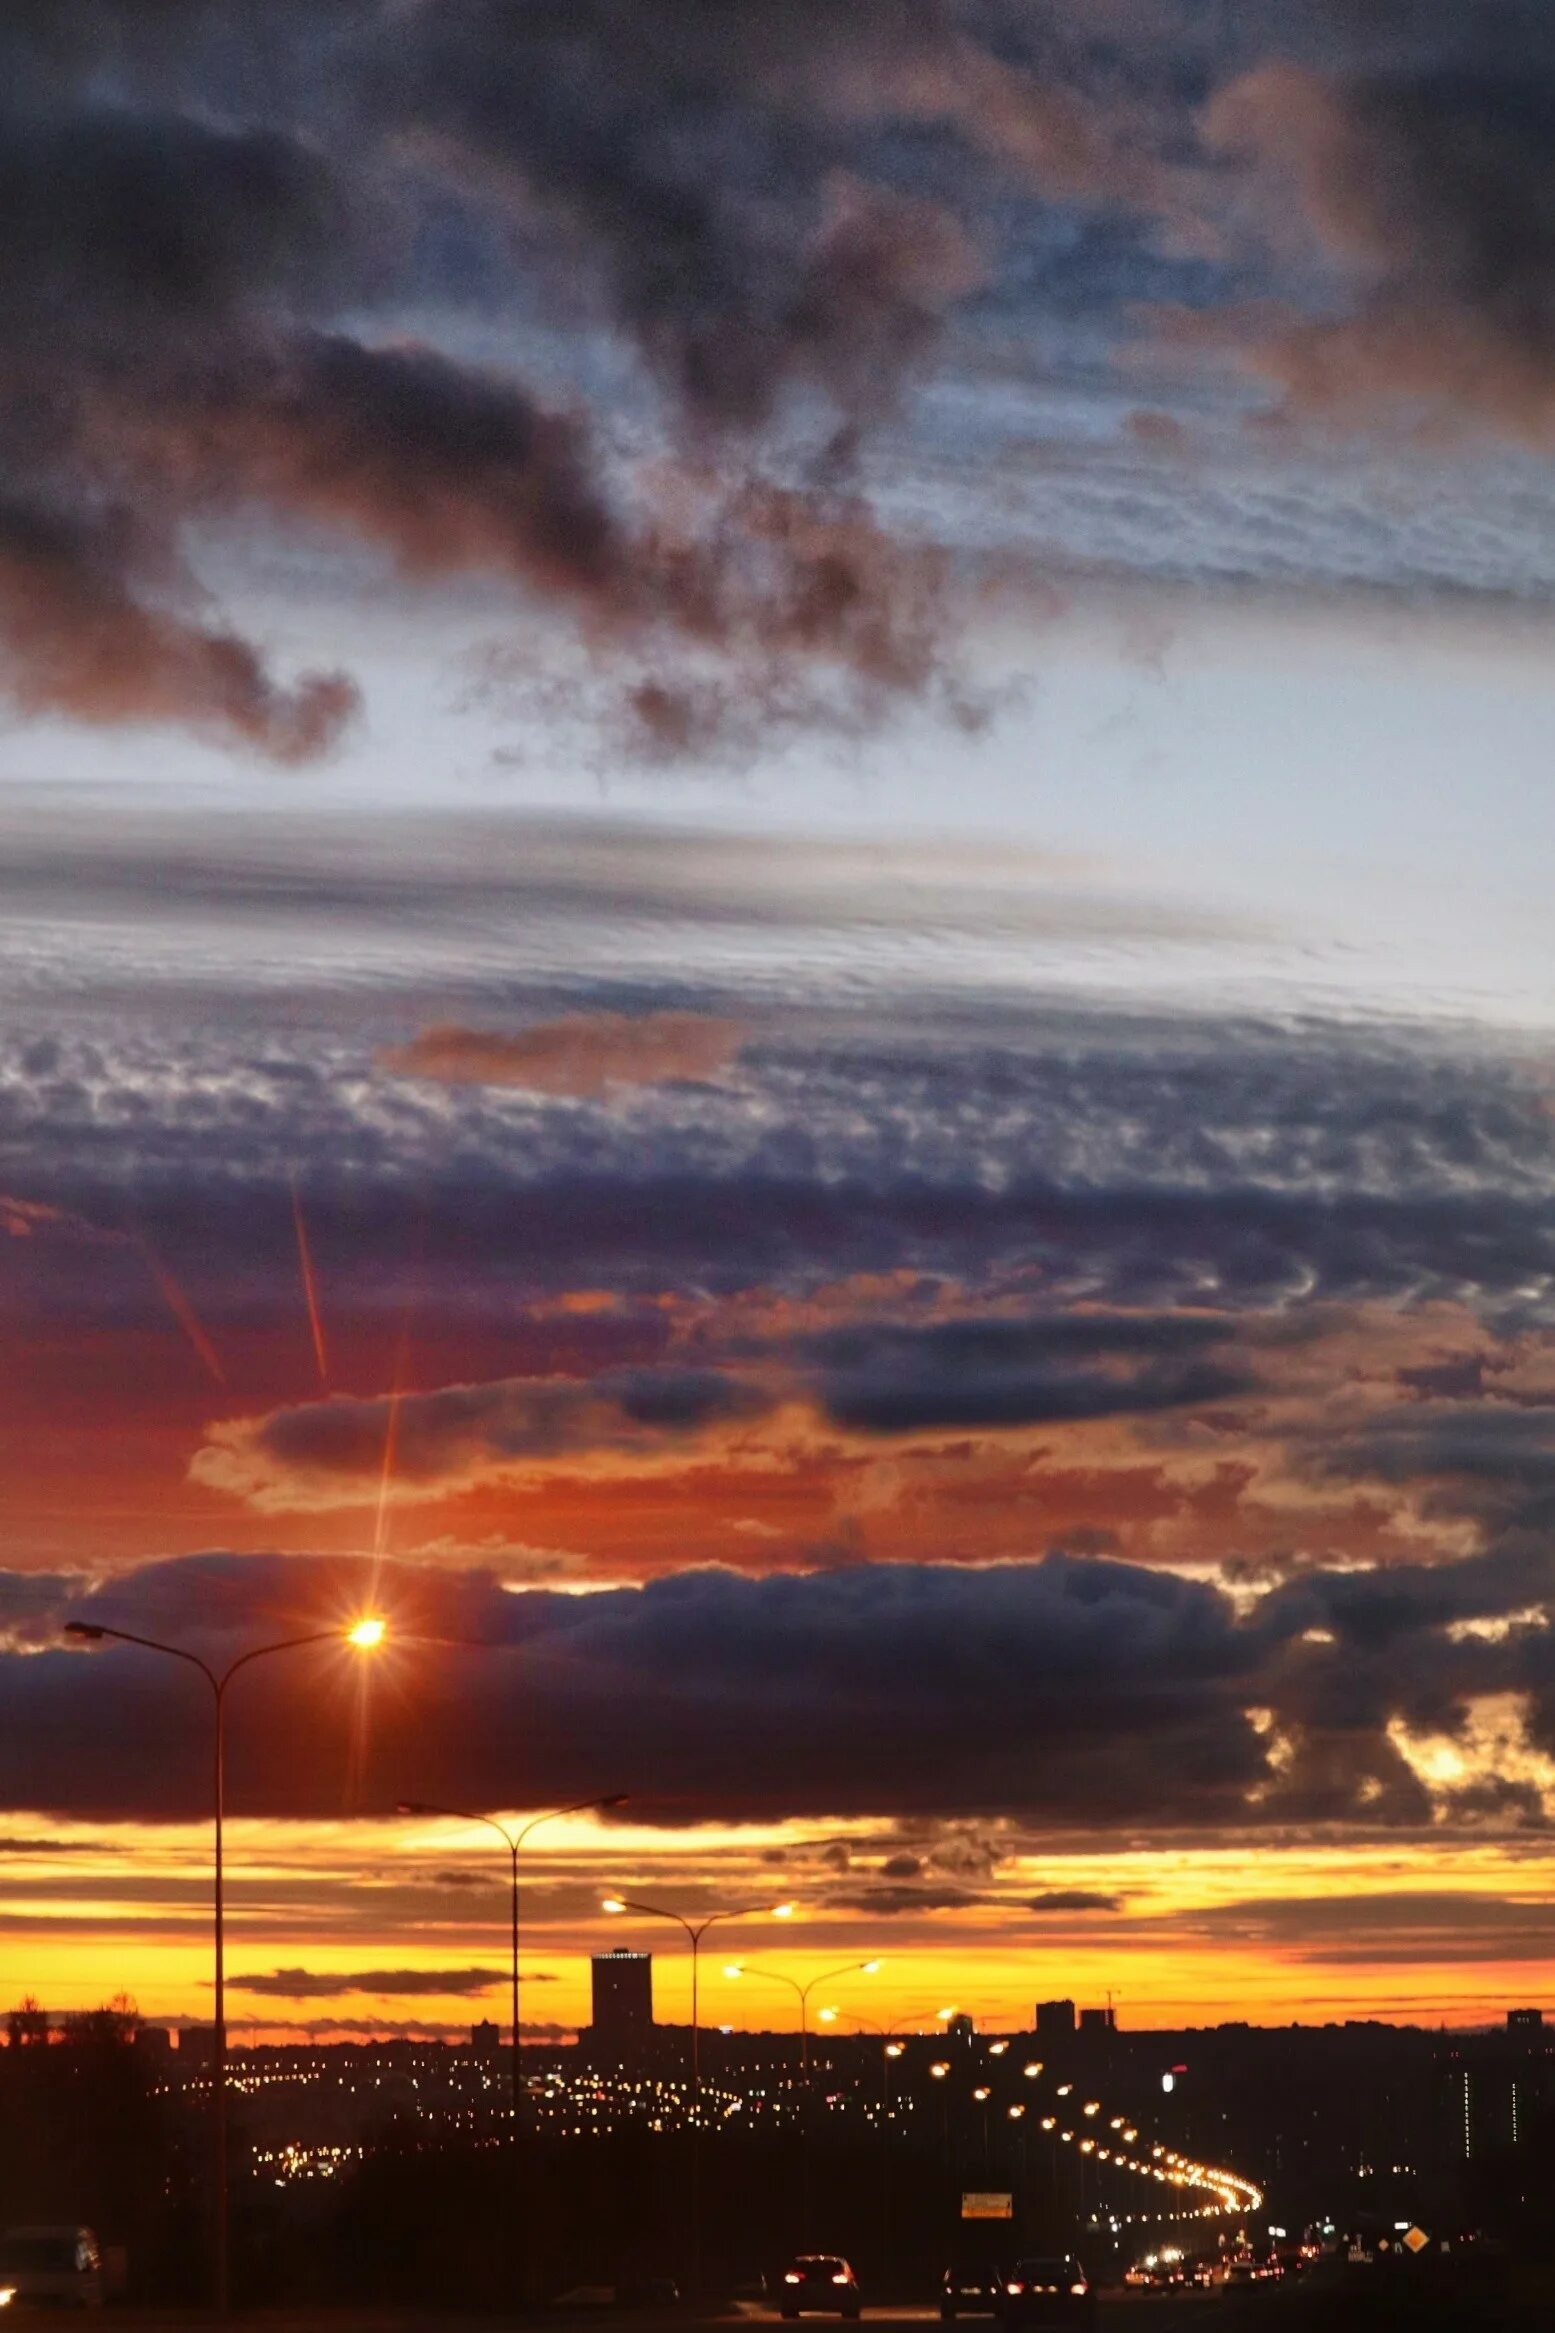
(586, 1055)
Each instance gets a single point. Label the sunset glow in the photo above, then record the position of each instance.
(778, 1002)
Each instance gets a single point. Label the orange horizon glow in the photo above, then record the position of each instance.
(124, 1908)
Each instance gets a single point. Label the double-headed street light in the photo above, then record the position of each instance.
(513, 1841)
(694, 1931)
(365, 1635)
(776, 1976)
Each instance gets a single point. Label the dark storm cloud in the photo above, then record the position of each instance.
(997, 1372)
(895, 1903)
(1064, 1693)
(1073, 1899)
(1432, 191)
(222, 230)
(300, 1984)
(192, 201)
(888, 1376)
(467, 1430)
(1494, 1458)
(1372, 1610)
(702, 158)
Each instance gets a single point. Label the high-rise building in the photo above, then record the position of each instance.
(1525, 2021)
(1055, 2018)
(623, 2006)
(486, 2039)
(1098, 2020)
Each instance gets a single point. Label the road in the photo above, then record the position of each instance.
(1300, 2309)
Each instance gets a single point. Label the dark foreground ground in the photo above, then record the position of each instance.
(1310, 2309)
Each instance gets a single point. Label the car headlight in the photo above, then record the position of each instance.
(791, 2278)
(7, 2295)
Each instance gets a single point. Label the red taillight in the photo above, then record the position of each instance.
(839, 2280)
(1077, 2288)
(1012, 2286)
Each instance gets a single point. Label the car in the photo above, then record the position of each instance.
(1157, 2272)
(819, 2282)
(1049, 2289)
(970, 2292)
(51, 2268)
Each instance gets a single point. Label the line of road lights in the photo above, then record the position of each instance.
(1233, 2193)
(367, 1634)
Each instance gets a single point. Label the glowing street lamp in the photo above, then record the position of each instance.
(365, 1635)
(736, 1969)
(513, 1841)
(694, 1931)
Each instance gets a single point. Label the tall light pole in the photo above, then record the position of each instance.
(366, 1635)
(694, 1931)
(891, 2047)
(777, 1976)
(513, 1841)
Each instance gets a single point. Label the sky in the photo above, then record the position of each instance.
(774, 842)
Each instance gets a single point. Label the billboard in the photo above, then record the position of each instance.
(987, 2207)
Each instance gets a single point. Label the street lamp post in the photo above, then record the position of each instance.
(366, 1635)
(513, 1841)
(694, 1931)
(777, 1976)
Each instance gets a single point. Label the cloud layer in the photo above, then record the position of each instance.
(252, 267)
(1068, 1693)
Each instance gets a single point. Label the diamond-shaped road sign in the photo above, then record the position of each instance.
(1417, 2240)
